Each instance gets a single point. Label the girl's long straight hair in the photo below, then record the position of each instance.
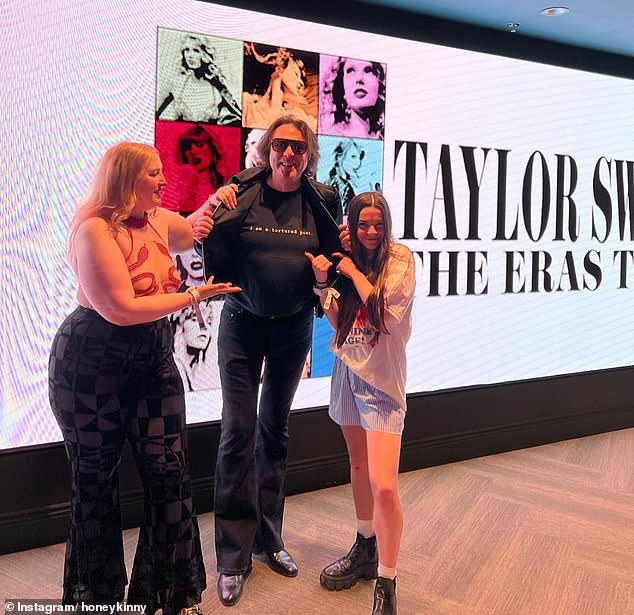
(373, 265)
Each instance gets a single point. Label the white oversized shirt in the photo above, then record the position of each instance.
(383, 362)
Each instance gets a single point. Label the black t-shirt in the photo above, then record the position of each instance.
(275, 275)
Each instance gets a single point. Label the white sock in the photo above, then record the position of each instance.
(387, 573)
(365, 527)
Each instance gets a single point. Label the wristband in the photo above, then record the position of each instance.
(194, 300)
(330, 293)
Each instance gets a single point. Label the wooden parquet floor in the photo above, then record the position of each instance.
(541, 531)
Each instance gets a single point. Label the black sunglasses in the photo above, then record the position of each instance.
(281, 145)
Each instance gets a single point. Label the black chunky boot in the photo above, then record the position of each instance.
(384, 597)
(360, 563)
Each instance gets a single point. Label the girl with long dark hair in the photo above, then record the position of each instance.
(372, 322)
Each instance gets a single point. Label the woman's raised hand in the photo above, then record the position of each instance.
(344, 237)
(225, 195)
(203, 225)
(202, 221)
(320, 266)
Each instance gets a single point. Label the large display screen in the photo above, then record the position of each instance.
(513, 182)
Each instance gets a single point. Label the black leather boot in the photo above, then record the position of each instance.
(384, 597)
(360, 563)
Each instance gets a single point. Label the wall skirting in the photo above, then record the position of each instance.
(440, 428)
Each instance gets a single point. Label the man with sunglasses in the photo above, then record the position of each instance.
(276, 214)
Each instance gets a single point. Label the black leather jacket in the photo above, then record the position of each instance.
(217, 248)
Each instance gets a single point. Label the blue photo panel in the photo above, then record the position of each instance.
(322, 359)
(351, 166)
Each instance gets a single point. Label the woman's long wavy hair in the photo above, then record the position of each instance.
(373, 265)
(112, 194)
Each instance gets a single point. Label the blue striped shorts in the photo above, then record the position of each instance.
(355, 402)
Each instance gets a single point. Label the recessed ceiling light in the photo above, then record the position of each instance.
(555, 11)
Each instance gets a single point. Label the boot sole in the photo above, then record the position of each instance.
(347, 581)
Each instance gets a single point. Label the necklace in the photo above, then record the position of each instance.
(137, 222)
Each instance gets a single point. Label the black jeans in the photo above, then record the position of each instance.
(251, 466)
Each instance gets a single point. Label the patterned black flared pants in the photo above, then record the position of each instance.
(108, 383)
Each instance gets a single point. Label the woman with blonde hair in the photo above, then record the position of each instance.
(112, 377)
